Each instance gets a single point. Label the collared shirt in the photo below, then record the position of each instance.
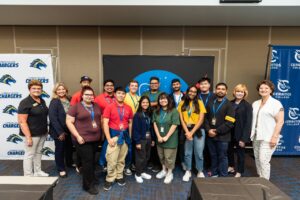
(132, 101)
(263, 122)
(194, 117)
(113, 112)
(76, 98)
(104, 100)
(37, 116)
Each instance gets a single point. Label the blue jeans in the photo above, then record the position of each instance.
(128, 159)
(102, 159)
(197, 144)
(219, 160)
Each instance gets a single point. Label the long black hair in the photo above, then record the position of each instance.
(140, 109)
(170, 105)
(187, 100)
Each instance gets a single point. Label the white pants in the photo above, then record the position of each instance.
(33, 155)
(263, 154)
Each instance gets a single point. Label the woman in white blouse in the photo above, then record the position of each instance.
(268, 119)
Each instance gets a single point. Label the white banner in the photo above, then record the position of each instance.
(16, 70)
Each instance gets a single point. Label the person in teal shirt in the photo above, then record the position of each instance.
(165, 121)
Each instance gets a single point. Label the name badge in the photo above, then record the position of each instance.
(121, 126)
(162, 129)
(94, 124)
(214, 121)
(35, 104)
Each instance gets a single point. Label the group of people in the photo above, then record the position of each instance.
(151, 131)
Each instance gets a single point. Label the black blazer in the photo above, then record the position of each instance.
(57, 117)
(242, 125)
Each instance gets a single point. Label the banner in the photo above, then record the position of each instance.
(16, 70)
(285, 74)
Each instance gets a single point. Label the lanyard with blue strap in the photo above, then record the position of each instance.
(91, 111)
(207, 98)
(190, 110)
(214, 119)
(121, 116)
(147, 118)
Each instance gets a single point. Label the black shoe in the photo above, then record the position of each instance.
(107, 185)
(121, 181)
(93, 190)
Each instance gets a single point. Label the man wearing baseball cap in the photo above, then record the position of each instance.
(84, 81)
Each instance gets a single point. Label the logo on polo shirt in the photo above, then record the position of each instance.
(8, 64)
(41, 79)
(294, 113)
(45, 94)
(15, 152)
(10, 125)
(14, 138)
(10, 95)
(10, 109)
(38, 64)
(47, 151)
(7, 79)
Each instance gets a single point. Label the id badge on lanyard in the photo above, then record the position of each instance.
(161, 121)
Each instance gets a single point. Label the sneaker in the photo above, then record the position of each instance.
(93, 190)
(169, 178)
(200, 175)
(63, 174)
(237, 175)
(187, 176)
(183, 166)
(121, 181)
(155, 169)
(146, 176)
(161, 174)
(127, 172)
(78, 170)
(107, 186)
(230, 170)
(41, 173)
(138, 179)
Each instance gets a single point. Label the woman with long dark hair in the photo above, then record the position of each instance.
(165, 121)
(143, 137)
(191, 112)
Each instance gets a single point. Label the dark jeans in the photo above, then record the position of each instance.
(142, 156)
(219, 160)
(87, 153)
(206, 155)
(240, 152)
(129, 156)
(63, 153)
(102, 159)
(180, 149)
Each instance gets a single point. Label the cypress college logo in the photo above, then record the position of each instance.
(10, 109)
(14, 138)
(283, 88)
(7, 79)
(294, 117)
(38, 64)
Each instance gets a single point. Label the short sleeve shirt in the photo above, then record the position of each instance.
(83, 121)
(103, 100)
(194, 117)
(118, 116)
(164, 121)
(76, 98)
(37, 116)
(152, 97)
(132, 101)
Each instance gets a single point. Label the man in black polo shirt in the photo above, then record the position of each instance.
(218, 122)
(32, 118)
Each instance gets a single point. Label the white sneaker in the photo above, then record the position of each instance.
(161, 174)
(139, 179)
(237, 175)
(146, 176)
(127, 172)
(200, 175)
(41, 173)
(187, 176)
(169, 178)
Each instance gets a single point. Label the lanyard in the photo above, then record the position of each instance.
(221, 104)
(121, 115)
(191, 109)
(162, 117)
(177, 100)
(135, 104)
(207, 98)
(90, 110)
(147, 120)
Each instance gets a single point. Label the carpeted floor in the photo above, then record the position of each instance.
(285, 174)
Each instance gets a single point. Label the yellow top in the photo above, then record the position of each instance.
(132, 101)
(194, 117)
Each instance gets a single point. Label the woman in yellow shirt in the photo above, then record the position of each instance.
(191, 111)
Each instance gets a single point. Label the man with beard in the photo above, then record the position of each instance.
(218, 122)
(103, 100)
(84, 81)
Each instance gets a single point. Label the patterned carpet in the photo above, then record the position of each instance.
(285, 174)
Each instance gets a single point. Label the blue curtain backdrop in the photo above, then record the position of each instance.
(285, 74)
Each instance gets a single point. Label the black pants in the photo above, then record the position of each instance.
(87, 152)
(240, 156)
(181, 141)
(63, 153)
(142, 156)
(206, 155)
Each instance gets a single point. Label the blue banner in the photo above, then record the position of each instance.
(285, 74)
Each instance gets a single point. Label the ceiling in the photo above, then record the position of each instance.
(151, 15)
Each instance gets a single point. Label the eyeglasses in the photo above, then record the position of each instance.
(89, 95)
(153, 83)
(109, 85)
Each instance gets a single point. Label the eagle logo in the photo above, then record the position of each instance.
(14, 138)
(47, 151)
(7, 79)
(10, 109)
(38, 64)
(45, 94)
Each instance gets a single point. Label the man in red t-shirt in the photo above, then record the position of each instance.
(84, 81)
(117, 126)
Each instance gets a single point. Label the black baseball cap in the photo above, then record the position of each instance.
(85, 78)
